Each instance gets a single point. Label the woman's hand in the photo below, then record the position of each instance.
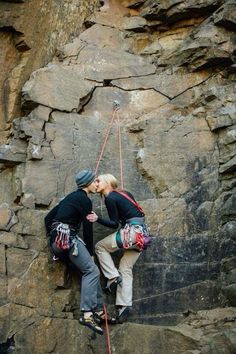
(92, 217)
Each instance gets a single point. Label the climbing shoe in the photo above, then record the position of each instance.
(122, 313)
(100, 318)
(91, 323)
(112, 284)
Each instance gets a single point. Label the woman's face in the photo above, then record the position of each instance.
(101, 185)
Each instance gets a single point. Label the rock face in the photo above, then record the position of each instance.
(171, 67)
(30, 32)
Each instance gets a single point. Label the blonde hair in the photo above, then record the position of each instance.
(109, 180)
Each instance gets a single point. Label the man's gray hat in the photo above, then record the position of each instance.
(84, 178)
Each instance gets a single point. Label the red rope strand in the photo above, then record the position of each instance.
(120, 152)
(115, 116)
(107, 331)
(105, 141)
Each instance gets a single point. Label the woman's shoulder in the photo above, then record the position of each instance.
(122, 192)
(111, 196)
(118, 196)
(78, 194)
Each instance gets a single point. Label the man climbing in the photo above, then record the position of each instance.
(62, 224)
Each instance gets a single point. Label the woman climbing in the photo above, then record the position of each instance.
(122, 209)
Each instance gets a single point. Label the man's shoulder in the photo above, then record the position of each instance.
(80, 194)
(75, 193)
(68, 196)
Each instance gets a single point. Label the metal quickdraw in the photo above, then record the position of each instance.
(127, 242)
(63, 236)
(139, 239)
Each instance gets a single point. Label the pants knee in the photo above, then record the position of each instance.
(125, 269)
(94, 271)
(98, 247)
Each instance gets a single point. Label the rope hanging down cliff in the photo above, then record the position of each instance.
(115, 117)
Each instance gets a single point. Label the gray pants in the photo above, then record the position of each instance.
(91, 297)
(103, 250)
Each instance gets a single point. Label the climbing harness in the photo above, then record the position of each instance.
(115, 117)
(66, 238)
(135, 235)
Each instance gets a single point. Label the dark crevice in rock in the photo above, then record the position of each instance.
(51, 119)
(220, 63)
(8, 346)
(88, 23)
(135, 4)
(96, 81)
(10, 29)
(41, 206)
(28, 106)
(22, 46)
(17, 200)
(153, 11)
(141, 89)
(153, 88)
(4, 98)
(192, 12)
(85, 100)
(52, 150)
(191, 87)
(118, 78)
(107, 83)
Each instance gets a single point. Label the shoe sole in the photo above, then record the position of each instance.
(101, 321)
(92, 328)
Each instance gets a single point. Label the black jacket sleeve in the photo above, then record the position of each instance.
(87, 226)
(88, 235)
(48, 220)
(113, 222)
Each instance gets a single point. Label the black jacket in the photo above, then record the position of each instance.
(72, 210)
(119, 209)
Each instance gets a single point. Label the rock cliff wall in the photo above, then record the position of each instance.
(30, 32)
(171, 66)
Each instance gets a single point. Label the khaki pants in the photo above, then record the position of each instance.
(103, 250)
